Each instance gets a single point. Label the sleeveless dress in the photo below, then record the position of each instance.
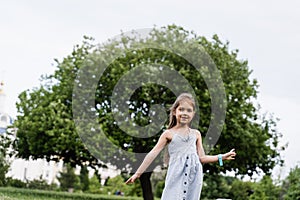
(184, 175)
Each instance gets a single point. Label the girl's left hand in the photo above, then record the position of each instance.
(229, 155)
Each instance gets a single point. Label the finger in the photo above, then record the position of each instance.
(129, 181)
(232, 150)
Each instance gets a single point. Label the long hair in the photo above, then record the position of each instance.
(172, 118)
(180, 98)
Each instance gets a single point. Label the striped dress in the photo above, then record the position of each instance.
(184, 175)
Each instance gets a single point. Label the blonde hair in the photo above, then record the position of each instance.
(180, 98)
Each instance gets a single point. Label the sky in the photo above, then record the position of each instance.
(266, 33)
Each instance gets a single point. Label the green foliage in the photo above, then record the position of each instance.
(216, 186)
(16, 183)
(291, 185)
(3, 169)
(45, 114)
(266, 190)
(158, 182)
(40, 184)
(117, 184)
(241, 190)
(5, 143)
(236, 189)
(84, 178)
(68, 179)
(94, 185)
(159, 188)
(44, 121)
(113, 185)
(29, 194)
(46, 129)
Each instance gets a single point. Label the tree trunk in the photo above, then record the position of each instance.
(146, 186)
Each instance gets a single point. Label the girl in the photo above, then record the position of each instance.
(186, 153)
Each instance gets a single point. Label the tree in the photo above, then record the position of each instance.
(114, 117)
(45, 125)
(84, 178)
(241, 190)
(68, 179)
(216, 186)
(94, 184)
(265, 189)
(291, 185)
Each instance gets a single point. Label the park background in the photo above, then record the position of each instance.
(266, 34)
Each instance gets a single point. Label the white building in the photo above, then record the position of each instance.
(35, 169)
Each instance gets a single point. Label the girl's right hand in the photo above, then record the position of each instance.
(132, 179)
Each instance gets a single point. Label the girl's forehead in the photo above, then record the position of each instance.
(186, 103)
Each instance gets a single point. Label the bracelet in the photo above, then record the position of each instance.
(220, 159)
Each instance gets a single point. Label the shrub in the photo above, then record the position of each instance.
(40, 184)
(68, 179)
(16, 183)
(159, 188)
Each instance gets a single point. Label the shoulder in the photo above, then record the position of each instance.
(196, 132)
(167, 134)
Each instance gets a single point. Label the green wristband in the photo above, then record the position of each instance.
(220, 160)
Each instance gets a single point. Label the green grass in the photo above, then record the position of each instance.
(8, 193)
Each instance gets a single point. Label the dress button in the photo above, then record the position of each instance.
(185, 174)
(184, 183)
(184, 191)
(187, 157)
(186, 165)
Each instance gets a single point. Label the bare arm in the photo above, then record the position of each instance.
(162, 142)
(214, 158)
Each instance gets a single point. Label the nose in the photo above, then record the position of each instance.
(184, 113)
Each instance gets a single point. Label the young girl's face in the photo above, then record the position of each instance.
(184, 113)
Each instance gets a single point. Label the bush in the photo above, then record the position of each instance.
(4, 166)
(115, 186)
(40, 184)
(241, 190)
(16, 183)
(84, 178)
(159, 188)
(94, 185)
(68, 179)
(291, 185)
(265, 189)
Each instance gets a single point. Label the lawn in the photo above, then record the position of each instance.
(8, 193)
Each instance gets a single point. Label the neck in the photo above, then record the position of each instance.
(181, 126)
